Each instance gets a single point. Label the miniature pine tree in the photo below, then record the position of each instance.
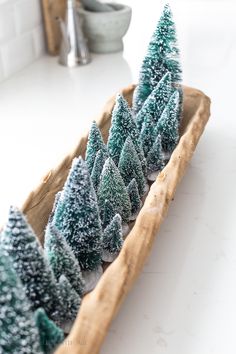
(70, 298)
(94, 144)
(62, 259)
(20, 243)
(112, 236)
(112, 188)
(155, 157)
(50, 335)
(56, 201)
(108, 213)
(18, 332)
(156, 102)
(162, 56)
(122, 126)
(100, 159)
(134, 197)
(168, 125)
(77, 216)
(130, 166)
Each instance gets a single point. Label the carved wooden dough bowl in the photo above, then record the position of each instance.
(101, 305)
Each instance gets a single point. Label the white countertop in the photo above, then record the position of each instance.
(184, 302)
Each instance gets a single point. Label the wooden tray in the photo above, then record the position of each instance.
(101, 305)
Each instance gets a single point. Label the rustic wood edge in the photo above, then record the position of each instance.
(101, 305)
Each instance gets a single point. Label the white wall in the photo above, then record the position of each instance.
(21, 35)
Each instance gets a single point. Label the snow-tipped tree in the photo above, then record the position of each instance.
(77, 216)
(112, 239)
(108, 213)
(94, 144)
(134, 197)
(155, 159)
(56, 201)
(130, 166)
(18, 332)
(50, 335)
(162, 56)
(100, 159)
(156, 102)
(168, 124)
(112, 188)
(62, 259)
(20, 243)
(122, 126)
(71, 301)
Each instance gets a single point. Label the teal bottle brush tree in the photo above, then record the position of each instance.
(162, 57)
(77, 217)
(112, 239)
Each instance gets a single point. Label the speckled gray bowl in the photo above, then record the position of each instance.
(105, 30)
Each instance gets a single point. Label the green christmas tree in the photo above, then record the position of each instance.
(71, 300)
(56, 201)
(162, 56)
(62, 259)
(155, 160)
(112, 236)
(155, 103)
(130, 166)
(112, 188)
(108, 213)
(134, 197)
(50, 335)
(100, 159)
(20, 243)
(122, 126)
(94, 144)
(168, 125)
(18, 332)
(77, 216)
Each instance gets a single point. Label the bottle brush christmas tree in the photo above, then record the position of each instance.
(100, 159)
(94, 144)
(155, 159)
(112, 239)
(134, 197)
(112, 188)
(122, 126)
(168, 125)
(18, 332)
(20, 243)
(50, 335)
(108, 214)
(130, 166)
(162, 56)
(77, 216)
(156, 102)
(62, 259)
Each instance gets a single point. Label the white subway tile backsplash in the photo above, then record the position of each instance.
(18, 53)
(39, 41)
(27, 14)
(21, 35)
(7, 22)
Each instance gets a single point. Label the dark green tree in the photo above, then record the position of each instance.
(20, 243)
(134, 197)
(155, 159)
(112, 188)
(100, 159)
(162, 56)
(112, 236)
(18, 332)
(108, 213)
(168, 125)
(130, 166)
(94, 144)
(122, 126)
(50, 335)
(77, 216)
(155, 103)
(62, 259)
(71, 303)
